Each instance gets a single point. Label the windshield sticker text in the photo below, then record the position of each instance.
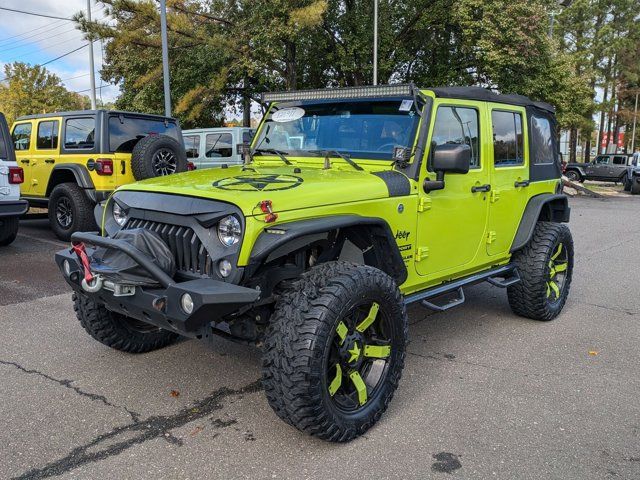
(288, 115)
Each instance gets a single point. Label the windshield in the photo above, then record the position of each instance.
(124, 131)
(366, 129)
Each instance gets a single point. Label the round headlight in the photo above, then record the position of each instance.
(229, 230)
(119, 215)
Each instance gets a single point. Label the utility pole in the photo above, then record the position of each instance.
(375, 42)
(165, 57)
(92, 76)
(633, 131)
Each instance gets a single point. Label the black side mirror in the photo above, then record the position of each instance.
(448, 158)
(452, 158)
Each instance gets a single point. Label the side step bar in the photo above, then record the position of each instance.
(502, 277)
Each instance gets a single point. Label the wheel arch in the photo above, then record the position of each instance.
(69, 172)
(373, 236)
(578, 170)
(546, 207)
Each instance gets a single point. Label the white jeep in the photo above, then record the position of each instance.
(11, 176)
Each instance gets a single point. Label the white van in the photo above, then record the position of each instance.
(11, 176)
(213, 147)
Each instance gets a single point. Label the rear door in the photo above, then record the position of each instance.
(618, 166)
(509, 175)
(24, 147)
(45, 154)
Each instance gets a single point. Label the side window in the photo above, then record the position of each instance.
(602, 160)
(619, 161)
(541, 141)
(192, 145)
(47, 135)
(508, 147)
(458, 125)
(218, 145)
(22, 136)
(79, 133)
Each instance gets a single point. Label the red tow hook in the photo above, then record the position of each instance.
(81, 252)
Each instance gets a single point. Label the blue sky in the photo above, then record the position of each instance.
(37, 40)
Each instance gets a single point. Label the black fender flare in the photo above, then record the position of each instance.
(578, 169)
(548, 207)
(288, 237)
(80, 173)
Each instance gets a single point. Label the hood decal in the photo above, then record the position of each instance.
(257, 182)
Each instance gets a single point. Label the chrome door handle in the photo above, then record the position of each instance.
(481, 188)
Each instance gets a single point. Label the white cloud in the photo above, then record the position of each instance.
(37, 40)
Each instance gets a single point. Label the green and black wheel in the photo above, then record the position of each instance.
(545, 266)
(334, 350)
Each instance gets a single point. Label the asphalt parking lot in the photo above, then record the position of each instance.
(484, 394)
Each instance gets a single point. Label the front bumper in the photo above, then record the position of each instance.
(13, 208)
(160, 306)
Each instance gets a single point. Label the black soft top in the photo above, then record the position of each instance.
(485, 95)
(91, 112)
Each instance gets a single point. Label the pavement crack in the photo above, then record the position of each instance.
(158, 426)
(68, 384)
(612, 309)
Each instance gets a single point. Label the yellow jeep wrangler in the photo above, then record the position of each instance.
(100, 151)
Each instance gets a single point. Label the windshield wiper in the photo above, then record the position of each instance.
(335, 153)
(279, 153)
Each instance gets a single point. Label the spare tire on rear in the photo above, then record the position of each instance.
(157, 155)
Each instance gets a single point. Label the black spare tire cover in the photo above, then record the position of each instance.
(156, 156)
(119, 267)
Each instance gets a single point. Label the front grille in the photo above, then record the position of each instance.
(187, 249)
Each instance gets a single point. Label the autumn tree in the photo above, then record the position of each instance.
(26, 90)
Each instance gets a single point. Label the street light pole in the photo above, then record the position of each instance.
(375, 42)
(92, 76)
(165, 57)
(633, 131)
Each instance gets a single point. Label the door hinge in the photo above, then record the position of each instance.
(424, 204)
(421, 253)
(491, 237)
(495, 196)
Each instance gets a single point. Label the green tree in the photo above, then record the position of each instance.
(28, 90)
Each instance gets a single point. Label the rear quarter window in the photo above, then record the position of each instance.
(125, 132)
(3, 145)
(541, 141)
(80, 133)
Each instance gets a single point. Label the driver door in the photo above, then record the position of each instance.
(452, 221)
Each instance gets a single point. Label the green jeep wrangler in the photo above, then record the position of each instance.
(351, 204)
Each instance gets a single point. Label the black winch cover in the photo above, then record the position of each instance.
(119, 267)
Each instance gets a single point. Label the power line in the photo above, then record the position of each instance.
(33, 52)
(35, 41)
(97, 88)
(54, 59)
(35, 14)
(33, 30)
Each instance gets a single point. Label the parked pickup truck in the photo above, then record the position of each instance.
(606, 167)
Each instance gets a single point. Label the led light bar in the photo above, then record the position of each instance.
(400, 90)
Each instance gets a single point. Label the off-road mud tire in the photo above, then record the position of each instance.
(8, 230)
(116, 331)
(144, 151)
(528, 298)
(81, 206)
(298, 338)
(573, 175)
(635, 187)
